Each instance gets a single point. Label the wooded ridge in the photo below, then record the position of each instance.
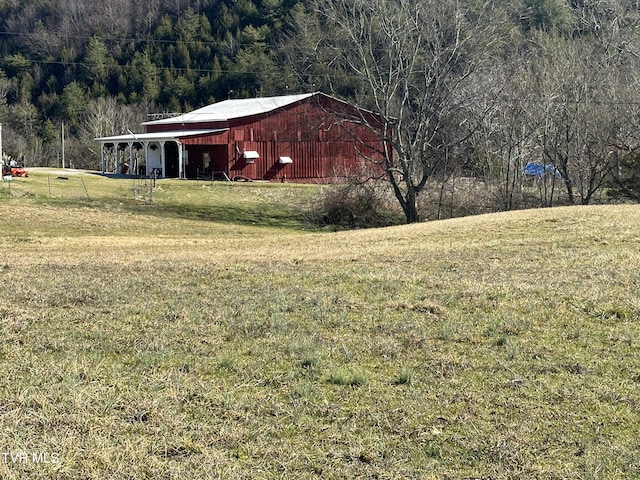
(496, 79)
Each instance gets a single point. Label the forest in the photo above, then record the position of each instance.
(102, 70)
(473, 89)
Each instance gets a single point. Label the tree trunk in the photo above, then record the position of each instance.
(410, 206)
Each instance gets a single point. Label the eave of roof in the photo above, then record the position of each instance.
(157, 136)
(233, 109)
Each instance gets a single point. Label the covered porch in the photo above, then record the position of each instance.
(161, 154)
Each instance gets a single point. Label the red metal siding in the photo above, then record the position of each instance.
(171, 127)
(321, 144)
(221, 138)
(308, 160)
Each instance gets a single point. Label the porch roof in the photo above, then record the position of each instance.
(157, 136)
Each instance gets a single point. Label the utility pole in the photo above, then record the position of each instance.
(62, 138)
(1, 162)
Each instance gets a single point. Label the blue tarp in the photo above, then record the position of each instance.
(538, 170)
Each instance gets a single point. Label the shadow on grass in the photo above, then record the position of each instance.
(266, 214)
(261, 207)
(250, 215)
(255, 215)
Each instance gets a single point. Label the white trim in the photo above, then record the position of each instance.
(285, 160)
(157, 136)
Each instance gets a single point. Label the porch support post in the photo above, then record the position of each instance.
(163, 159)
(131, 158)
(116, 152)
(102, 159)
(180, 160)
(146, 157)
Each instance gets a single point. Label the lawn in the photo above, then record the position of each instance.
(206, 332)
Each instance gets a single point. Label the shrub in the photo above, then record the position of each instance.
(354, 205)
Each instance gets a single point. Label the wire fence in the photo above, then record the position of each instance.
(71, 186)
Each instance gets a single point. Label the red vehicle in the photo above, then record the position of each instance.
(14, 171)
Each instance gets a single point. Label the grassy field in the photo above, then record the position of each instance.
(206, 333)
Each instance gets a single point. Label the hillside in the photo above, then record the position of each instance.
(473, 90)
(496, 346)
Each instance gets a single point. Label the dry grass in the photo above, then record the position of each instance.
(499, 346)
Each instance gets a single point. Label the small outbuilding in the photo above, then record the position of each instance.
(307, 138)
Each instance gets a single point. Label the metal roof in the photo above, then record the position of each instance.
(157, 136)
(231, 109)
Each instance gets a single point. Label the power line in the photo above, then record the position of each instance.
(119, 40)
(161, 68)
(314, 78)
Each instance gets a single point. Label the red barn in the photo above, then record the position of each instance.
(306, 138)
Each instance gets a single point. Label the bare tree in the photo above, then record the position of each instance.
(407, 61)
(6, 86)
(104, 116)
(579, 105)
(502, 141)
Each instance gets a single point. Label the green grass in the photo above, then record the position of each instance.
(236, 204)
(139, 343)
